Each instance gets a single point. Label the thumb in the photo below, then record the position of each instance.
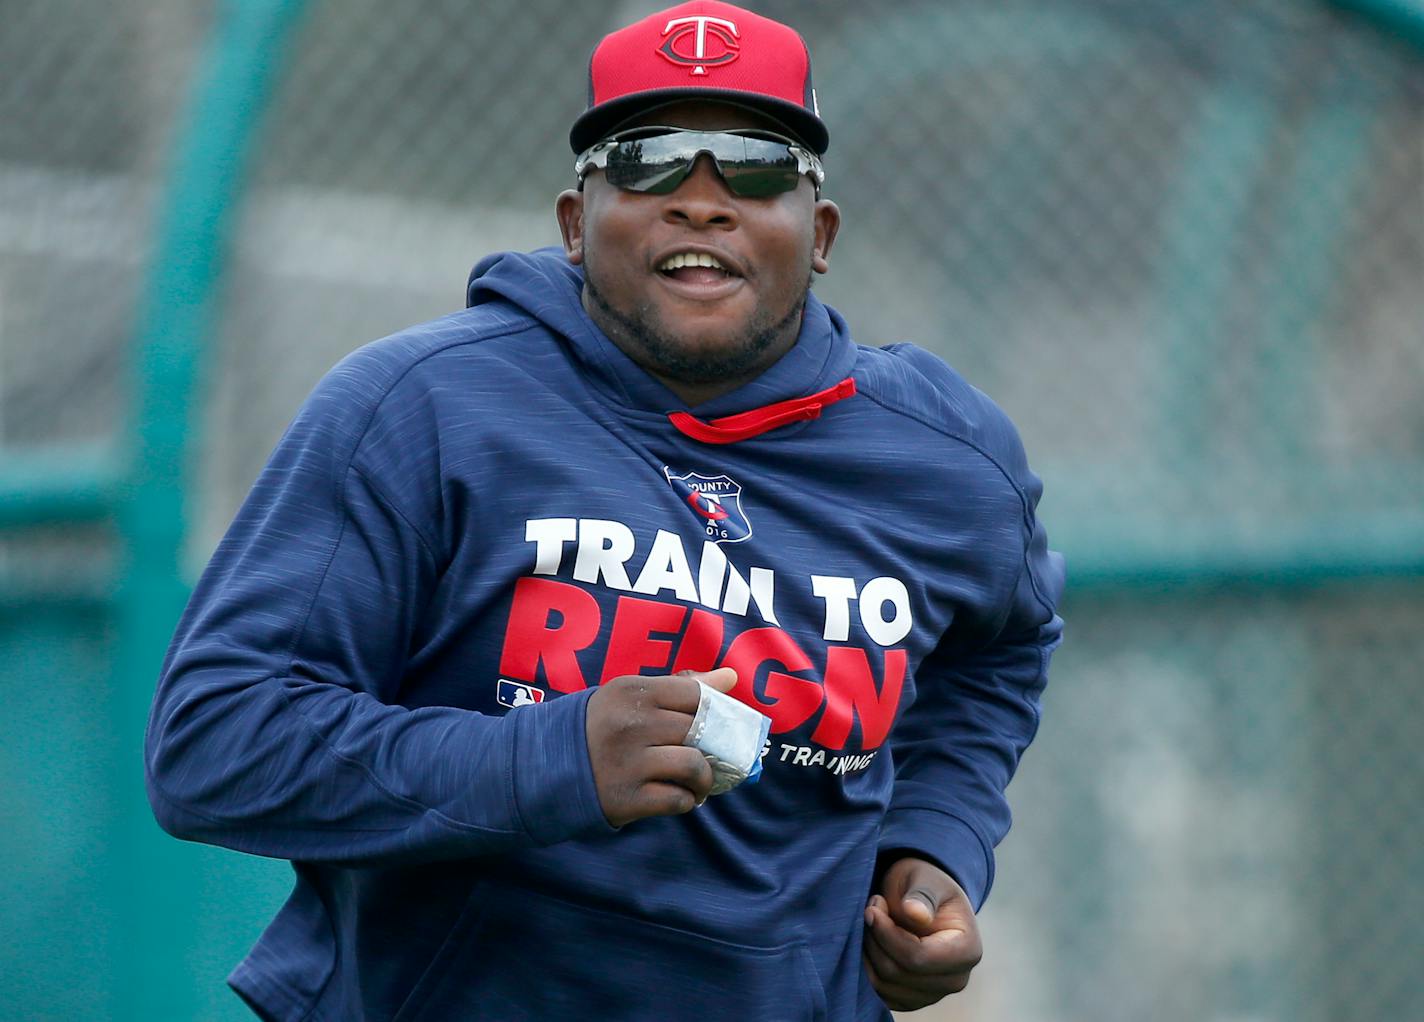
(915, 892)
(723, 679)
(918, 908)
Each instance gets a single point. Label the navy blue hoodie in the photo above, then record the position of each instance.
(383, 673)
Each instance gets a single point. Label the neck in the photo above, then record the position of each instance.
(694, 394)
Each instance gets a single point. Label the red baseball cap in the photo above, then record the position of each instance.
(701, 50)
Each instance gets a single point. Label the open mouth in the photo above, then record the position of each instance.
(695, 268)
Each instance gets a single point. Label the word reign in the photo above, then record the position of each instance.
(558, 630)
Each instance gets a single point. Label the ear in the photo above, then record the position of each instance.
(568, 207)
(827, 224)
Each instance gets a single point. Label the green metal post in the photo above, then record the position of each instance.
(156, 903)
(1313, 208)
(1223, 162)
(1402, 18)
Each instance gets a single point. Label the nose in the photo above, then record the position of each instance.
(702, 199)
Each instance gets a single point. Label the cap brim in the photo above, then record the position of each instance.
(598, 122)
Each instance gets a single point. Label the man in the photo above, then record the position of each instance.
(447, 657)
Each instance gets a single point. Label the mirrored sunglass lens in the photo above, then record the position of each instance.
(643, 167)
(752, 167)
(658, 178)
(758, 180)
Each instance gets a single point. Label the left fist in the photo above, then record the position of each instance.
(921, 938)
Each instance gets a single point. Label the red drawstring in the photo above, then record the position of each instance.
(745, 425)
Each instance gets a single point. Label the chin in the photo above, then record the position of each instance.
(708, 343)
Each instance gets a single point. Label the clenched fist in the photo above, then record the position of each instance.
(635, 728)
(922, 938)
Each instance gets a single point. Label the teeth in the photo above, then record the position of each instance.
(677, 262)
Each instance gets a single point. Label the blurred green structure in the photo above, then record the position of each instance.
(1182, 244)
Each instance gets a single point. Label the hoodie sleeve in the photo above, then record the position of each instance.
(977, 709)
(276, 728)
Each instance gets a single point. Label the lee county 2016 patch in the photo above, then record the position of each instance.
(717, 503)
(514, 693)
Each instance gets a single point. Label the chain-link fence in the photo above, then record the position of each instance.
(88, 98)
(1182, 244)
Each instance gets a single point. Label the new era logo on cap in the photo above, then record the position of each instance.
(701, 50)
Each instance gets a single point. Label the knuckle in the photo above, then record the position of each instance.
(628, 720)
(891, 971)
(629, 689)
(685, 691)
(696, 771)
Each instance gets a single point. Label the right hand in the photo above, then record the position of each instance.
(635, 728)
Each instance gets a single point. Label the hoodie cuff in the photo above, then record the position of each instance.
(554, 794)
(945, 840)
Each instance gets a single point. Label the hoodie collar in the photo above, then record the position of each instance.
(544, 285)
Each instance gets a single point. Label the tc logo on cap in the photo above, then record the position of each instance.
(696, 32)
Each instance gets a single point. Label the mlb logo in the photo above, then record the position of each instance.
(717, 503)
(516, 693)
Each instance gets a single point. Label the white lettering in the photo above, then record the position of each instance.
(738, 593)
(837, 592)
(873, 598)
(764, 593)
(603, 548)
(710, 573)
(812, 756)
(549, 536)
(666, 568)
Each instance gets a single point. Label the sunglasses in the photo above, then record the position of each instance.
(655, 160)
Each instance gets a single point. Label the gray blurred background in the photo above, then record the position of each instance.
(1181, 243)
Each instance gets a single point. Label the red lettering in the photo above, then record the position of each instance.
(632, 647)
(792, 699)
(851, 695)
(700, 643)
(530, 640)
(550, 623)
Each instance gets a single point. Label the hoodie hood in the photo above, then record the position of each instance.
(545, 286)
